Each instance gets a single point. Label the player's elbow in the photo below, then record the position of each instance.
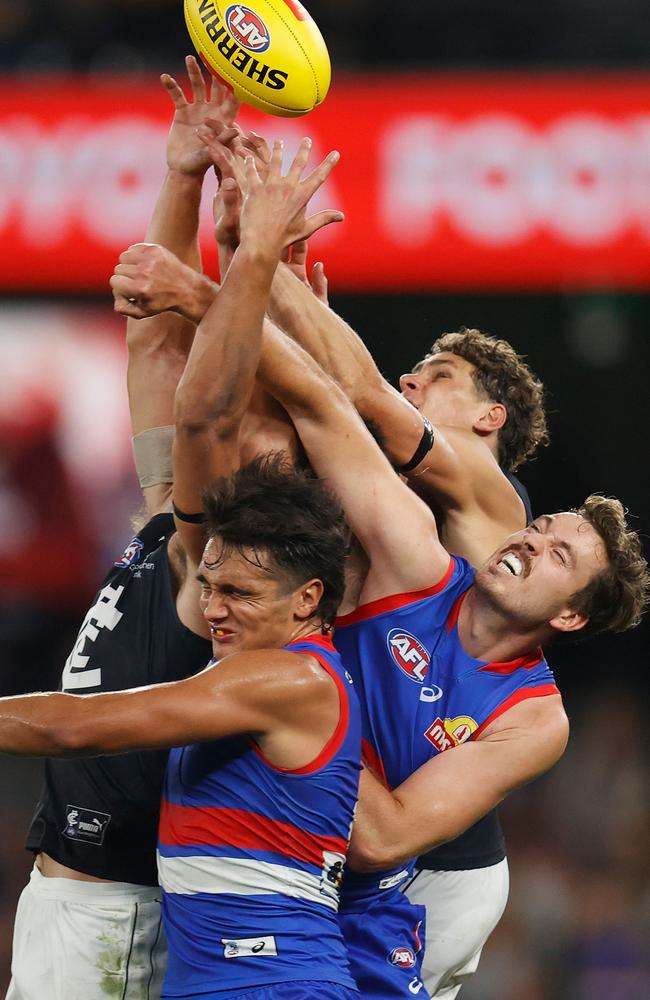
(366, 857)
(195, 416)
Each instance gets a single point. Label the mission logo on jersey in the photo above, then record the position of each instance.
(409, 654)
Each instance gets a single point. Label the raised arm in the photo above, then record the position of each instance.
(454, 790)
(396, 529)
(217, 385)
(158, 347)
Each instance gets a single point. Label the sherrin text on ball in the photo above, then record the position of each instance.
(270, 52)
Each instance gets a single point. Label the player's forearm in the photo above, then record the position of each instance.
(219, 377)
(175, 220)
(52, 725)
(323, 334)
(293, 378)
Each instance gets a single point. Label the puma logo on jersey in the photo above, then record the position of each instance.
(85, 824)
(409, 654)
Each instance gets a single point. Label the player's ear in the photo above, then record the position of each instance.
(307, 598)
(568, 620)
(491, 419)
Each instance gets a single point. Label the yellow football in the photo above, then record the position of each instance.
(269, 51)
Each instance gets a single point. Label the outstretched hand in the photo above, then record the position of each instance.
(185, 151)
(273, 211)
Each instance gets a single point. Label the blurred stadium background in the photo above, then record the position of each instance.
(495, 173)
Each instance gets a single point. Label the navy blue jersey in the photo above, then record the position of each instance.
(100, 815)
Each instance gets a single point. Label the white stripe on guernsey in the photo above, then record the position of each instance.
(190, 875)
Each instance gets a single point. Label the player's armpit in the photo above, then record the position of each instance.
(455, 789)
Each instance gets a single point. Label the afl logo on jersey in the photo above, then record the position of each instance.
(131, 554)
(403, 958)
(247, 28)
(409, 654)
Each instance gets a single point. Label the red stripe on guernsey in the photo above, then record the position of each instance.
(370, 756)
(317, 639)
(298, 10)
(509, 666)
(335, 741)
(521, 695)
(452, 618)
(384, 604)
(212, 826)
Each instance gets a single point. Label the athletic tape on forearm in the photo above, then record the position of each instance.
(152, 452)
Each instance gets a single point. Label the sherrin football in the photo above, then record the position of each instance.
(269, 51)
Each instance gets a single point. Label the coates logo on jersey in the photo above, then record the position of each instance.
(247, 28)
(131, 554)
(403, 958)
(409, 654)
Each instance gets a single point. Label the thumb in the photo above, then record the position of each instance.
(316, 222)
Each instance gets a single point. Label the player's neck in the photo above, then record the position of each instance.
(488, 634)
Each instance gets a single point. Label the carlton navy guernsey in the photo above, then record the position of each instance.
(421, 693)
(251, 857)
(99, 815)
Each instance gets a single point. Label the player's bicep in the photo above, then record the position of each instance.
(454, 790)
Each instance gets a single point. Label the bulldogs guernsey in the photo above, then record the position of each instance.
(100, 815)
(250, 858)
(421, 695)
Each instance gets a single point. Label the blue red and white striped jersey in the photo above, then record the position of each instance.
(250, 856)
(420, 692)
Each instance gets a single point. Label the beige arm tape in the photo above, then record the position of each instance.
(152, 451)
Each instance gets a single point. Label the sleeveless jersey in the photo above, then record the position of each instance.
(251, 855)
(100, 815)
(420, 692)
(483, 843)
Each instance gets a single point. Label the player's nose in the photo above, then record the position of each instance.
(409, 383)
(214, 609)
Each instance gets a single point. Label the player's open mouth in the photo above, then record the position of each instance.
(511, 563)
(220, 633)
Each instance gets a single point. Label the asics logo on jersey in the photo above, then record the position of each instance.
(402, 957)
(247, 947)
(415, 985)
(409, 654)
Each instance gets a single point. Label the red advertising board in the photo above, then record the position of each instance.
(447, 181)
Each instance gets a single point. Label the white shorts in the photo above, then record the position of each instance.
(78, 940)
(463, 908)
